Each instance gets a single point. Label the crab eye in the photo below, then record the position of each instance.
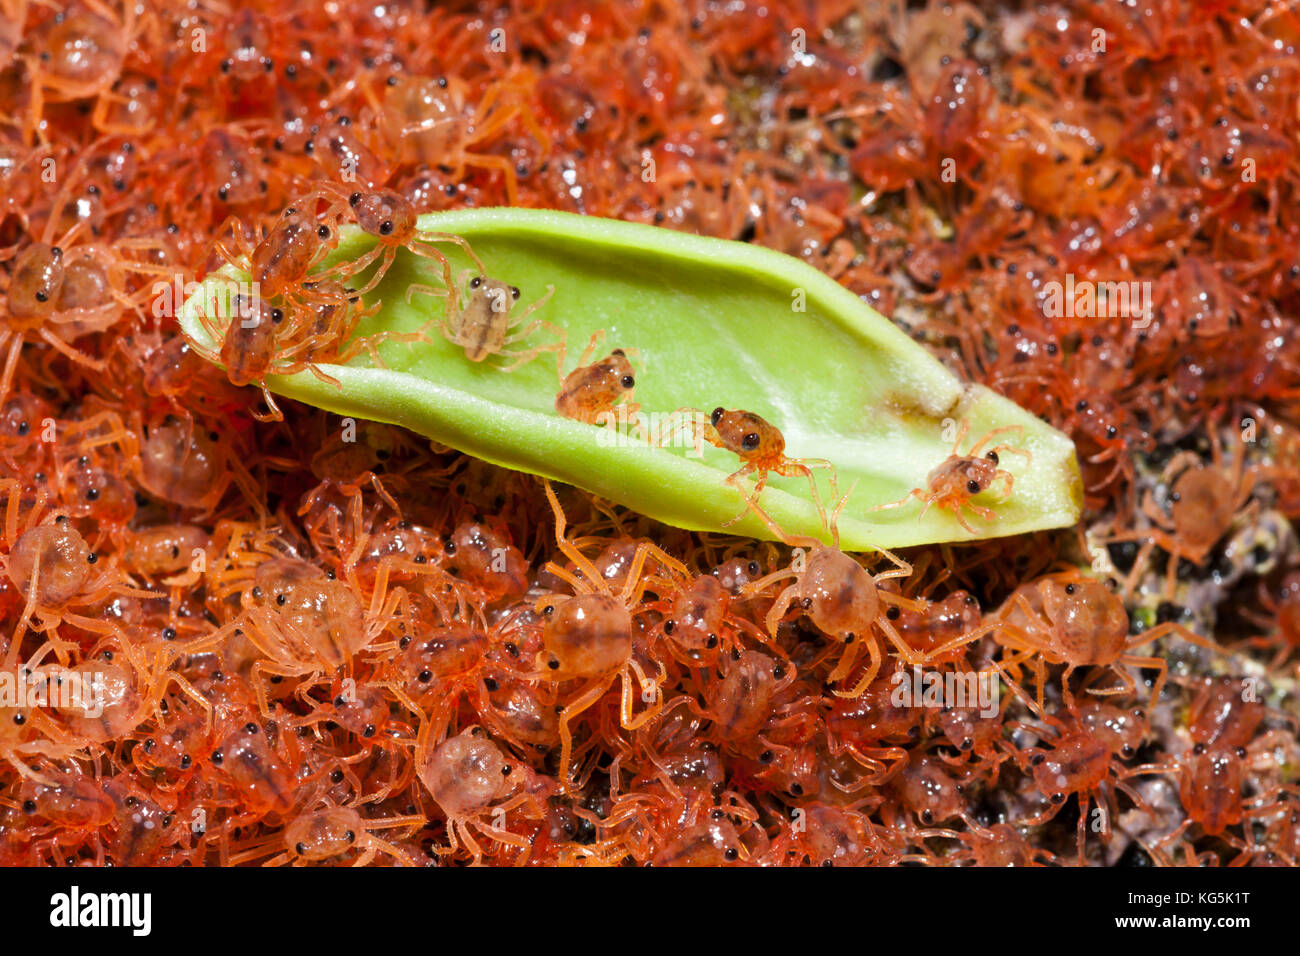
(354, 199)
(628, 381)
(323, 232)
(514, 292)
(973, 486)
(475, 282)
(386, 227)
(750, 441)
(618, 352)
(717, 415)
(992, 456)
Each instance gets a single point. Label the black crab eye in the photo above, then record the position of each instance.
(514, 292)
(475, 282)
(992, 456)
(973, 486)
(628, 381)
(750, 441)
(386, 227)
(354, 199)
(717, 415)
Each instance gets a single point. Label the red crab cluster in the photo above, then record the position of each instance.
(232, 636)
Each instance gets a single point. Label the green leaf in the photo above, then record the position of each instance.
(713, 323)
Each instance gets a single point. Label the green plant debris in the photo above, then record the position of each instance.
(708, 323)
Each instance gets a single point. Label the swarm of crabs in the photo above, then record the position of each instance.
(323, 642)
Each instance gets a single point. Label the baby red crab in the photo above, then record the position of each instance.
(59, 293)
(1283, 618)
(1204, 503)
(432, 121)
(29, 732)
(829, 835)
(72, 808)
(588, 635)
(1084, 760)
(390, 218)
(712, 842)
(591, 391)
(263, 340)
(761, 448)
(478, 317)
(701, 620)
(331, 831)
(247, 346)
(469, 778)
(53, 567)
(844, 602)
(76, 53)
(960, 478)
(299, 623)
(280, 263)
(1069, 619)
(1227, 759)
(999, 845)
